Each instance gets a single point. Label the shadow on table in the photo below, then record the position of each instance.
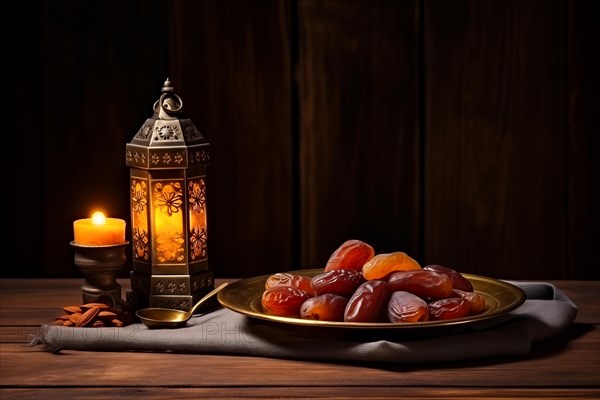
(539, 350)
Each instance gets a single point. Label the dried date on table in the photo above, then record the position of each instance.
(352, 254)
(450, 308)
(407, 307)
(423, 283)
(458, 280)
(289, 279)
(342, 282)
(476, 300)
(326, 307)
(381, 265)
(368, 303)
(284, 300)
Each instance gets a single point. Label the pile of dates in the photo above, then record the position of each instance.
(358, 285)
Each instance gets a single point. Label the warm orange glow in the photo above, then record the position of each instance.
(99, 230)
(169, 236)
(98, 218)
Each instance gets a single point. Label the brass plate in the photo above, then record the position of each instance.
(244, 296)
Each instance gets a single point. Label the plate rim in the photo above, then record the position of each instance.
(222, 298)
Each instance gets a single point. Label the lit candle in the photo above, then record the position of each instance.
(99, 230)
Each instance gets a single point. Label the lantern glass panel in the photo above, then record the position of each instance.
(139, 219)
(169, 240)
(197, 211)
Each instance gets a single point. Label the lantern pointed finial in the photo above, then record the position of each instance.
(167, 87)
(168, 139)
(170, 104)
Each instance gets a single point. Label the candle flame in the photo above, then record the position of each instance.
(98, 218)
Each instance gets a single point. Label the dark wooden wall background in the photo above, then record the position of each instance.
(462, 132)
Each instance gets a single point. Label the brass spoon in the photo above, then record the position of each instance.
(155, 318)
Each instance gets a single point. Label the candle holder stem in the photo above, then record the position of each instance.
(100, 265)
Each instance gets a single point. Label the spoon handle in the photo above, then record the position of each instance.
(207, 296)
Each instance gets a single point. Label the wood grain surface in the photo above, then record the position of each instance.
(232, 61)
(459, 131)
(565, 366)
(359, 126)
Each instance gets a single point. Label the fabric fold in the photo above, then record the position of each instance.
(545, 313)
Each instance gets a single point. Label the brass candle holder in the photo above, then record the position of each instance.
(100, 265)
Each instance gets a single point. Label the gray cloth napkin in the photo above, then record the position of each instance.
(545, 313)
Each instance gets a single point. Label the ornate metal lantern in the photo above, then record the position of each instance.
(168, 157)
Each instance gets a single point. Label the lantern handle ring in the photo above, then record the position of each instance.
(169, 107)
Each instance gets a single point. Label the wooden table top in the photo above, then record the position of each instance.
(565, 366)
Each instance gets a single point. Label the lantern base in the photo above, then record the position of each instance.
(178, 292)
